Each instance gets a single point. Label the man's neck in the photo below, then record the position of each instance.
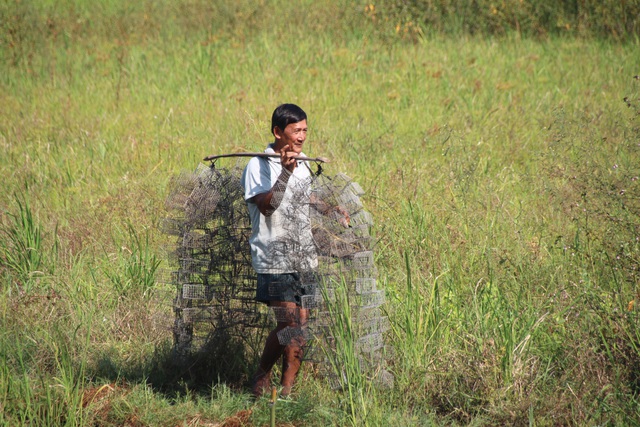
(277, 148)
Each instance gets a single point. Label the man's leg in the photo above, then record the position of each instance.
(287, 315)
(270, 355)
(291, 362)
(294, 348)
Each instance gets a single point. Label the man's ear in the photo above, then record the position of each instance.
(277, 132)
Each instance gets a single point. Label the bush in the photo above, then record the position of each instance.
(592, 18)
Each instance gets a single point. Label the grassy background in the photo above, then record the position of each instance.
(501, 170)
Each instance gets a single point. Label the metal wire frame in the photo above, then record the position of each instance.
(215, 283)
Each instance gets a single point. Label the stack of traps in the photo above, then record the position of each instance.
(216, 283)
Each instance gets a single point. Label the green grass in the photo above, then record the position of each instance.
(502, 173)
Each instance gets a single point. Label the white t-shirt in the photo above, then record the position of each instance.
(282, 242)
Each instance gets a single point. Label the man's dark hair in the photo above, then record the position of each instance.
(286, 114)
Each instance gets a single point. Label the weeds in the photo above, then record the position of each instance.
(23, 257)
(43, 382)
(422, 323)
(344, 360)
(596, 186)
(135, 273)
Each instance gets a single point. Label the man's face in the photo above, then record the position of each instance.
(293, 136)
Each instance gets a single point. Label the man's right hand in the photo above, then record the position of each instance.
(288, 159)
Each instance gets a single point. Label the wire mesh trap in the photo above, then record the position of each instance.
(215, 281)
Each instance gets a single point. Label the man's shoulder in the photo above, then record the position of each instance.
(303, 169)
(256, 162)
(256, 173)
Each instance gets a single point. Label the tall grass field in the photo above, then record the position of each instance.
(498, 145)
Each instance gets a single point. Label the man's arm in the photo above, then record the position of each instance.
(269, 201)
(341, 214)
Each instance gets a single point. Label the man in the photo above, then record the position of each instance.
(277, 192)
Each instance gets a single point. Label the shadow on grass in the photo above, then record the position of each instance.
(222, 360)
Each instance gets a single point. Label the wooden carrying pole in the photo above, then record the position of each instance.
(303, 158)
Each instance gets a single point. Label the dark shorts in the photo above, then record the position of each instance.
(289, 287)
